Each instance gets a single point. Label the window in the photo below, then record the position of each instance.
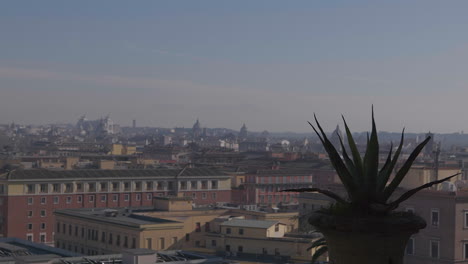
(207, 227)
(43, 188)
(183, 185)
(240, 248)
(126, 197)
(103, 186)
(125, 244)
(79, 187)
(103, 237)
(187, 237)
(149, 186)
(79, 198)
(117, 241)
(69, 199)
(213, 243)
(204, 184)
(203, 195)
(30, 226)
(466, 220)
(161, 243)
(214, 184)
(228, 248)
(435, 217)
(213, 196)
(197, 227)
(149, 243)
(434, 248)
(194, 195)
(174, 240)
(56, 187)
(149, 196)
(410, 247)
(110, 238)
(30, 213)
(30, 200)
(115, 186)
(409, 209)
(241, 231)
(228, 230)
(58, 227)
(56, 199)
(197, 243)
(43, 200)
(138, 197)
(277, 228)
(43, 213)
(465, 250)
(137, 186)
(30, 188)
(91, 198)
(91, 186)
(29, 237)
(43, 226)
(126, 186)
(103, 198)
(68, 188)
(133, 242)
(170, 185)
(193, 185)
(115, 198)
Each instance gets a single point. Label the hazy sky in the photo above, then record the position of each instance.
(270, 64)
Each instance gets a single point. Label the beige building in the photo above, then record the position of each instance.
(173, 223)
(258, 239)
(419, 175)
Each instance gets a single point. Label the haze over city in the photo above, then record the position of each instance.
(269, 64)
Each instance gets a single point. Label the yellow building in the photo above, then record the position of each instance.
(173, 223)
(120, 149)
(259, 239)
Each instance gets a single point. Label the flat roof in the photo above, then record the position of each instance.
(121, 216)
(249, 223)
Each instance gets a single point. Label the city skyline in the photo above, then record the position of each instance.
(268, 64)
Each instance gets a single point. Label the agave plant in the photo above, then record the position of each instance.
(368, 187)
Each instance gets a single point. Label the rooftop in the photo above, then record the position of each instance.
(249, 223)
(120, 216)
(95, 174)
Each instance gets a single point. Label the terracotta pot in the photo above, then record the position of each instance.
(367, 240)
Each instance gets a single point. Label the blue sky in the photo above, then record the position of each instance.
(270, 64)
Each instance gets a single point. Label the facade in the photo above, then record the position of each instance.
(173, 224)
(262, 239)
(263, 188)
(28, 198)
(445, 239)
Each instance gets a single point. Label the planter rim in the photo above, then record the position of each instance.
(400, 222)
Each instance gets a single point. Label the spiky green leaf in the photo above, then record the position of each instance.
(349, 164)
(336, 160)
(408, 194)
(354, 151)
(328, 193)
(384, 175)
(388, 191)
(371, 161)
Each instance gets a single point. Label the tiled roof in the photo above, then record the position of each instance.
(249, 223)
(48, 174)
